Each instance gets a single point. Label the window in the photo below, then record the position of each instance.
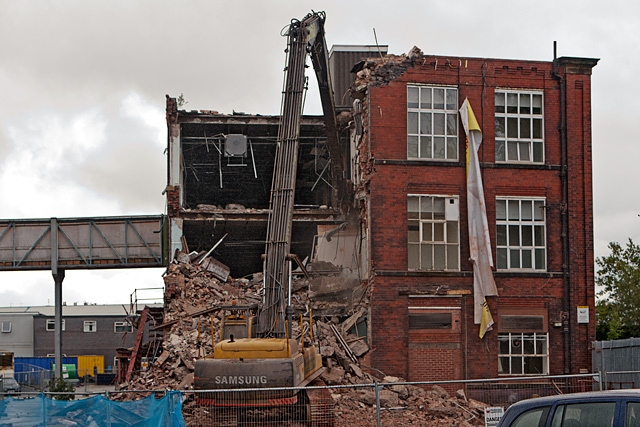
(584, 414)
(519, 127)
(523, 353)
(531, 418)
(5, 326)
(432, 123)
(51, 325)
(90, 326)
(433, 233)
(633, 414)
(121, 327)
(521, 235)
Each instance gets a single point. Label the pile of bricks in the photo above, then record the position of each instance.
(193, 295)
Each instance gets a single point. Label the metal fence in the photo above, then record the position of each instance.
(619, 362)
(377, 404)
(616, 380)
(33, 376)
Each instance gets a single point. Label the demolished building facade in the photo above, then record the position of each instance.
(401, 236)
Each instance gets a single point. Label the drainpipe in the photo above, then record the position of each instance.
(566, 301)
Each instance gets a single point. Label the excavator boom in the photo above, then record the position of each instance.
(266, 355)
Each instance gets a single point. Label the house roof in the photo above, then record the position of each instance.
(73, 310)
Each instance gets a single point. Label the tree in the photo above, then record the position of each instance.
(608, 325)
(60, 389)
(181, 101)
(619, 278)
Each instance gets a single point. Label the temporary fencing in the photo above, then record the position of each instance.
(94, 411)
(327, 406)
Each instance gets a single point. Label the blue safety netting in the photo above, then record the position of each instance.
(96, 411)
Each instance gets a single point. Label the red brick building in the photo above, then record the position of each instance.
(402, 233)
(408, 168)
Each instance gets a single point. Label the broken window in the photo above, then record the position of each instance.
(430, 321)
(519, 127)
(523, 353)
(433, 234)
(432, 123)
(520, 234)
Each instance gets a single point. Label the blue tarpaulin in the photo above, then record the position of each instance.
(96, 411)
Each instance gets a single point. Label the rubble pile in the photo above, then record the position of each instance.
(193, 300)
(378, 71)
(407, 405)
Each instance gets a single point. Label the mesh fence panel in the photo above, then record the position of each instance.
(312, 406)
(398, 403)
(370, 404)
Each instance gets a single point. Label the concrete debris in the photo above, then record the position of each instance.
(377, 71)
(193, 297)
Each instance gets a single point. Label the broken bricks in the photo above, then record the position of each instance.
(193, 295)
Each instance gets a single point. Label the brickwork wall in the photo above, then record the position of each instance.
(391, 177)
(76, 342)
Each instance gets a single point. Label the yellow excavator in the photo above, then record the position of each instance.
(256, 347)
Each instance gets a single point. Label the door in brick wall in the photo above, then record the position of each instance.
(435, 350)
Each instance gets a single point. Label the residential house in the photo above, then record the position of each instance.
(87, 329)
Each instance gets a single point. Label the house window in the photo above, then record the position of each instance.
(5, 326)
(523, 353)
(90, 326)
(121, 327)
(519, 127)
(432, 123)
(521, 235)
(51, 325)
(433, 233)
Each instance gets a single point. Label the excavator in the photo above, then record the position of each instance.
(256, 347)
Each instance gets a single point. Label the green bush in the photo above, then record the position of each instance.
(59, 385)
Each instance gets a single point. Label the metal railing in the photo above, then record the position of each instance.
(615, 380)
(379, 404)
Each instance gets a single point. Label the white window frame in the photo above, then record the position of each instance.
(51, 325)
(432, 122)
(517, 349)
(90, 326)
(519, 126)
(125, 326)
(5, 326)
(433, 221)
(521, 234)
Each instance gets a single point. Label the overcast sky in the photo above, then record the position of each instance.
(83, 84)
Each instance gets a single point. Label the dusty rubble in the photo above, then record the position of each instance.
(193, 293)
(377, 71)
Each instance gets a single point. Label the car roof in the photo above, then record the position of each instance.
(585, 396)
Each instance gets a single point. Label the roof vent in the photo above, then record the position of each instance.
(235, 146)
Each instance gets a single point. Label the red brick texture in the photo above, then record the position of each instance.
(428, 356)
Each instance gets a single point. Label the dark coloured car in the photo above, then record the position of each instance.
(614, 408)
(9, 385)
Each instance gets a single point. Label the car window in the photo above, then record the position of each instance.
(632, 418)
(591, 414)
(532, 418)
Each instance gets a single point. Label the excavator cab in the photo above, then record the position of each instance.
(238, 321)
